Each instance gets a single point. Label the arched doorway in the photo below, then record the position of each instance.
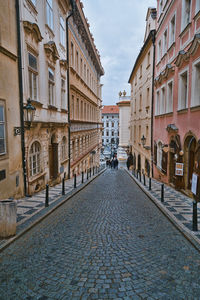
(189, 159)
(139, 163)
(53, 158)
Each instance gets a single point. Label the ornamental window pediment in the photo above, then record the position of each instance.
(169, 69)
(185, 55)
(33, 32)
(51, 51)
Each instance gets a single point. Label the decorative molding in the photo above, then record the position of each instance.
(33, 29)
(51, 50)
(169, 69)
(64, 64)
(8, 53)
(195, 44)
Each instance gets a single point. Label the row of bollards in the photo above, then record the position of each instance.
(89, 174)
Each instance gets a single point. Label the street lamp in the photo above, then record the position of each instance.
(29, 113)
(143, 140)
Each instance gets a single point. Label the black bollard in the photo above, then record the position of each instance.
(74, 180)
(82, 177)
(144, 179)
(194, 217)
(140, 176)
(87, 174)
(47, 196)
(137, 174)
(63, 186)
(90, 172)
(162, 192)
(149, 183)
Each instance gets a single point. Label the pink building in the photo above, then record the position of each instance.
(176, 133)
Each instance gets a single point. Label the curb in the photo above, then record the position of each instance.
(29, 227)
(183, 229)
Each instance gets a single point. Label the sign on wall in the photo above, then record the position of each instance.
(194, 183)
(179, 169)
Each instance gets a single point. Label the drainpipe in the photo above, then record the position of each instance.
(68, 87)
(152, 98)
(21, 94)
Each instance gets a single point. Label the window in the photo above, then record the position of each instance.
(113, 124)
(196, 84)
(64, 148)
(159, 54)
(2, 130)
(140, 108)
(139, 141)
(140, 71)
(72, 54)
(112, 133)
(51, 87)
(186, 11)
(62, 31)
(165, 42)
(183, 90)
(148, 58)
(34, 159)
(107, 141)
(172, 30)
(107, 133)
(77, 108)
(160, 6)
(102, 132)
(84, 72)
(72, 107)
(81, 67)
(159, 155)
(163, 101)
(148, 98)
(107, 124)
(34, 2)
(77, 61)
(63, 97)
(33, 76)
(197, 6)
(170, 96)
(49, 12)
(158, 103)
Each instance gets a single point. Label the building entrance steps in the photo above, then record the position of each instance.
(31, 209)
(175, 205)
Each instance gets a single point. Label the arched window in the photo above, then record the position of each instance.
(64, 148)
(35, 159)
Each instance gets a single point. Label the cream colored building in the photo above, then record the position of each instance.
(124, 126)
(44, 64)
(11, 170)
(141, 99)
(85, 94)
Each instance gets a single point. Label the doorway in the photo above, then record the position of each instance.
(53, 158)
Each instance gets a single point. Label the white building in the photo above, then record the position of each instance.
(124, 126)
(110, 133)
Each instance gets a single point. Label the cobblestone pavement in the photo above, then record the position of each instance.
(107, 242)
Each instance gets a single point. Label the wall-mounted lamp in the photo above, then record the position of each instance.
(143, 140)
(29, 113)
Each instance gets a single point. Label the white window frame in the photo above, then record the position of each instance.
(170, 105)
(159, 155)
(3, 126)
(157, 110)
(63, 93)
(165, 37)
(62, 31)
(163, 99)
(33, 79)
(184, 22)
(159, 51)
(49, 13)
(195, 101)
(172, 37)
(64, 148)
(35, 159)
(51, 84)
(34, 2)
(197, 8)
(180, 89)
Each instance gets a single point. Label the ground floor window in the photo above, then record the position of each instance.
(34, 159)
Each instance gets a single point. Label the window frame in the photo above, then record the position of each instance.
(169, 110)
(3, 123)
(51, 89)
(62, 31)
(32, 72)
(184, 23)
(180, 107)
(195, 103)
(172, 39)
(31, 160)
(49, 14)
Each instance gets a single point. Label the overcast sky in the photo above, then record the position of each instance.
(118, 28)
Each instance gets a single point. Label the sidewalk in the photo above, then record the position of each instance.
(176, 206)
(31, 210)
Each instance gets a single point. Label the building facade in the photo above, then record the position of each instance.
(177, 101)
(110, 132)
(141, 99)
(124, 126)
(44, 64)
(85, 71)
(11, 170)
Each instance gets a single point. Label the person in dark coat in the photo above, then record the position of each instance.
(116, 163)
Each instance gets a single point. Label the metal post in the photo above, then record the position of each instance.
(162, 192)
(63, 186)
(74, 180)
(149, 183)
(47, 196)
(90, 172)
(144, 179)
(140, 176)
(82, 177)
(87, 174)
(137, 174)
(194, 217)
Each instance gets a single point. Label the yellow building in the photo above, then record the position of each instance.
(11, 170)
(85, 94)
(141, 99)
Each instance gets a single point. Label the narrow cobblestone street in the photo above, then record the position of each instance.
(107, 242)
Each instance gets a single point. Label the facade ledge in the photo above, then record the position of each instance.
(195, 108)
(182, 111)
(36, 103)
(64, 161)
(196, 15)
(36, 177)
(171, 46)
(8, 53)
(50, 30)
(52, 107)
(63, 110)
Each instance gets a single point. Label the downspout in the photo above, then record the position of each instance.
(21, 94)
(68, 90)
(152, 98)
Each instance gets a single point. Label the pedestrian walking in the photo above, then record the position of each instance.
(116, 163)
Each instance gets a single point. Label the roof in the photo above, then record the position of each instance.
(110, 109)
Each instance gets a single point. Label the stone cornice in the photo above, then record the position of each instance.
(169, 69)
(33, 29)
(51, 50)
(64, 64)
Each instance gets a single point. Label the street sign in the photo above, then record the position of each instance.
(179, 169)
(194, 183)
